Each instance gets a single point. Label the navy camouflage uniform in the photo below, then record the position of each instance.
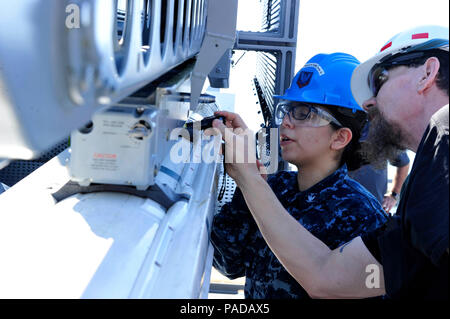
(335, 210)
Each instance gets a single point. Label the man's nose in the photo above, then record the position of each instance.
(369, 103)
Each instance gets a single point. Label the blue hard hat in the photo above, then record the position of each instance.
(325, 79)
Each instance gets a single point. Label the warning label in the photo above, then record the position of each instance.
(104, 162)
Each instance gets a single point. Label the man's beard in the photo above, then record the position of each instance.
(384, 141)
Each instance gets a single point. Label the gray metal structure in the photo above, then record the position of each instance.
(276, 46)
(73, 56)
(102, 60)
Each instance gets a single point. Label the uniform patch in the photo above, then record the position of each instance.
(304, 79)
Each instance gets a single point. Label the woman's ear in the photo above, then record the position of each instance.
(341, 138)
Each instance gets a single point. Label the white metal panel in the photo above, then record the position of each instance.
(85, 246)
(103, 245)
(186, 264)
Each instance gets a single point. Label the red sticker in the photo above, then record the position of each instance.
(420, 36)
(386, 46)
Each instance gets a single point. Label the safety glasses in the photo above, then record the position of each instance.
(377, 77)
(303, 114)
(380, 72)
(408, 56)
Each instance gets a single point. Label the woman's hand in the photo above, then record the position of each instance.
(232, 120)
(240, 149)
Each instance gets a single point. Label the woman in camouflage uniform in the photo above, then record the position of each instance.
(320, 137)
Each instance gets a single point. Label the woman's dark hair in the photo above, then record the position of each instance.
(355, 121)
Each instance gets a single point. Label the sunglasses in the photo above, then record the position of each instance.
(408, 56)
(303, 114)
(377, 77)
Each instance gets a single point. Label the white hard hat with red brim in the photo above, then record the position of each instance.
(402, 41)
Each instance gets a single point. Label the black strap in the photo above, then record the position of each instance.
(165, 198)
(224, 177)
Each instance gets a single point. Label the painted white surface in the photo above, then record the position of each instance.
(102, 245)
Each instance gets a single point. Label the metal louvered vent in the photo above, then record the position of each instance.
(276, 47)
(271, 15)
(266, 81)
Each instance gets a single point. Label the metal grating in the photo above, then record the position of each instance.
(19, 169)
(229, 188)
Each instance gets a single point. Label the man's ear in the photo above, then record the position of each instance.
(428, 75)
(341, 138)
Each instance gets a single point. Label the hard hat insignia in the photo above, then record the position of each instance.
(304, 79)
